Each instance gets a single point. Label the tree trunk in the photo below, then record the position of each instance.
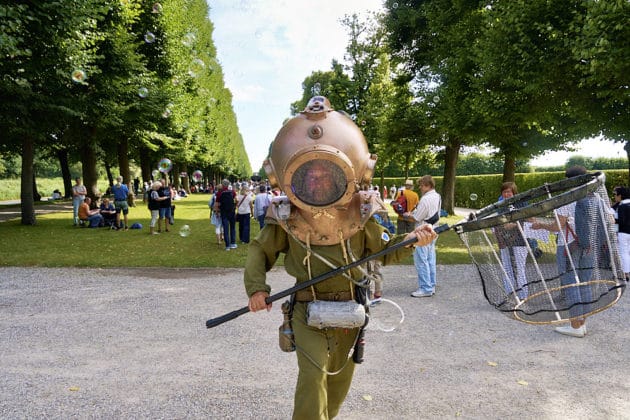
(509, 168)
(451, 154)
(123, 160)
(26, 191)
(145, 165)
(186, 179)
(175, 176)
(108, 171)
(62, 155)
(90, 178)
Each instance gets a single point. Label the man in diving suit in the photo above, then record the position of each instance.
(319, 159)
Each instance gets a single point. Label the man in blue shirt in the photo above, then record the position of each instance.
(121, 192)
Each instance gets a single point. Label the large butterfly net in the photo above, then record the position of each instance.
(549, 254)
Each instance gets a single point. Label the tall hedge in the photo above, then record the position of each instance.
(477, 191)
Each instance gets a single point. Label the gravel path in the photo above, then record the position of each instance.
(132, 343)
(12, 210)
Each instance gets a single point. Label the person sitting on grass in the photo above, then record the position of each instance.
(108, 211)
(92, 217)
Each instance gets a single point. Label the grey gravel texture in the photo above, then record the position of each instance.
(132, 343)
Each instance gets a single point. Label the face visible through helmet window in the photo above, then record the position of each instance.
(319, 183)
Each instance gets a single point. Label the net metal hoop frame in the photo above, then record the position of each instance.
(548, 302)
(615, 287)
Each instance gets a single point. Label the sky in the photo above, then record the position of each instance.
(268, 47)
(592, 148)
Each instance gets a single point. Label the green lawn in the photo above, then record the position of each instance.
(10, 188)
(55, 242)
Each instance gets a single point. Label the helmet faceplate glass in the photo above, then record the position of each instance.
(319, 182)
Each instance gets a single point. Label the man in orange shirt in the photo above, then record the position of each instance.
(406, 224)
(93, 217)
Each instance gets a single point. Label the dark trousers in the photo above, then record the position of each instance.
(229, 228)
(243, 227)
(261, 220)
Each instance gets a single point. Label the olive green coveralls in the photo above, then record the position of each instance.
(318, 395)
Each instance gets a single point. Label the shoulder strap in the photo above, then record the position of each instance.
(241, 202)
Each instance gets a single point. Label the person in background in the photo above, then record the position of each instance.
(78, 196)
(226, 199)
(56, 195)
(406, 223)
(392, 192)
(121, 192)
(108, 211)
(244, 209)
(375, 266)
(154, 205)
(145, 192)
(424, 257)
(261, 204)
(616, 200)
(215, 218)
(622, 197)
(165, 206)
(131, 197)
(513, 249)
(572, 261)
(174, 196)
(375, 188)
(91, 216)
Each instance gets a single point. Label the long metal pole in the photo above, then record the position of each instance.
(303, 285)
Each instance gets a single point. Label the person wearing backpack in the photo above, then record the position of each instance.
(227, 206)
(404, 203)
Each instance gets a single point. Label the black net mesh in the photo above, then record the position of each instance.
(549, 254)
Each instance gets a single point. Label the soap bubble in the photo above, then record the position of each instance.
(436, 99)
(196, 67)
(78, 76)
(143, 92)
(165, 165)
(149, 37)
(189, 39)
(157, 8)
(473, 197)
(184, 231)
